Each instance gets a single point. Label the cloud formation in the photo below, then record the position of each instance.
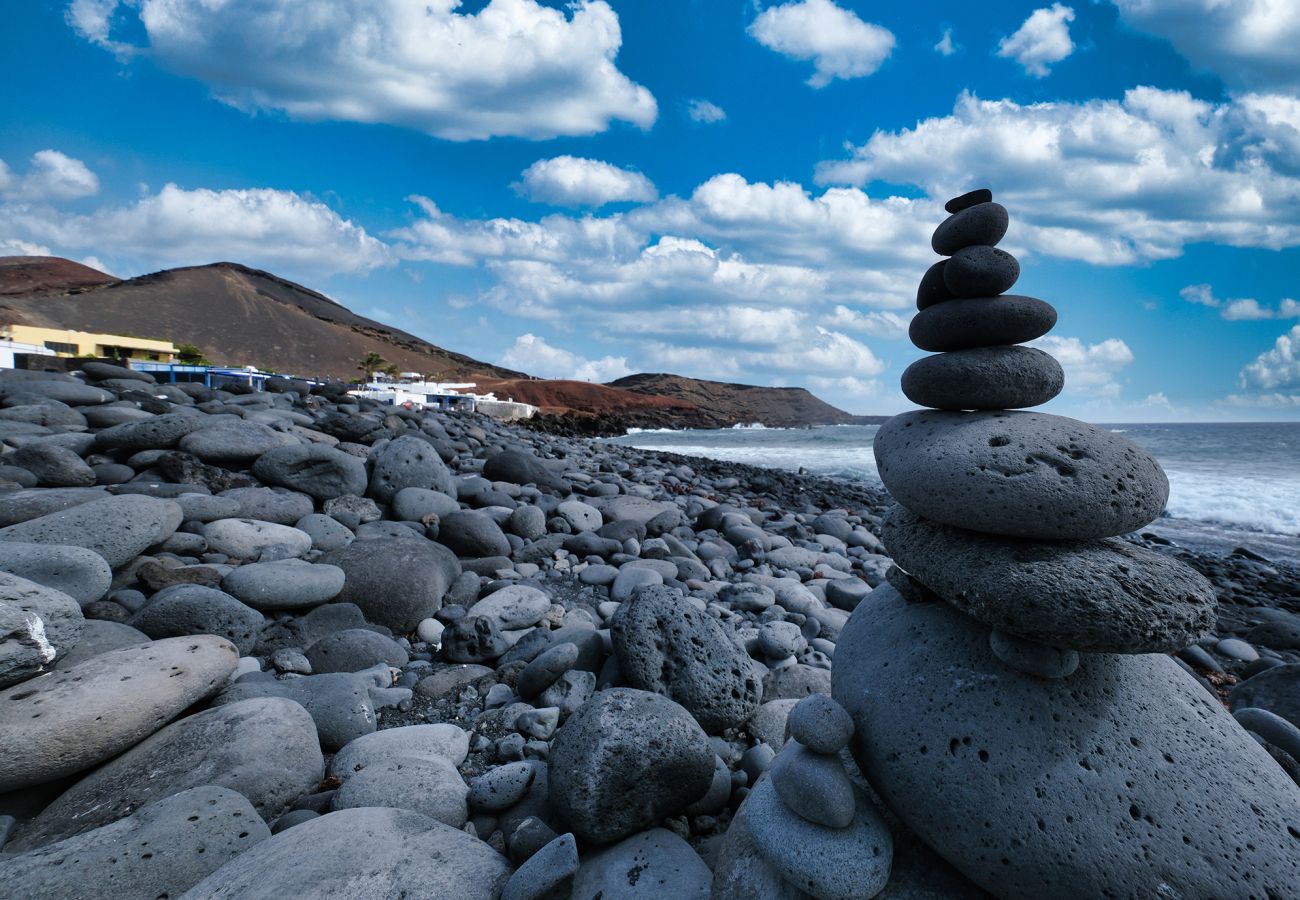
(530, 353)
(51, 176)
(1042, 41)
(1244, 308)
(514, 68)
(839, 44)
(574, 181)
(1278, 368)
(1090, 369)
(1108, 181)
(700, 110)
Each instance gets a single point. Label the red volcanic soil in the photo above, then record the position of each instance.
(41, 274)
(555, 397)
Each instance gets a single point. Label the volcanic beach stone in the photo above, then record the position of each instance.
(285, 584)
(984, 378)
(154, 433)
(1276, 690)
(523, 468)
(547, 874)
(968, 199)
(314, 469)
(820, 724)
(813, 786)
(1025, 474)
(408, 462)
(37, 626)
(232, 443)
(160, 851)
(53, 466)
(982, 224)
(430, 786)
(981, 322)
(666, 645)
(442, 740)
(339, 703)
(395, 583)
(82, 574)
(741, 872)
(188, 609)
(1106, 596)
(265, 749)
(353, 650)
(117, 528)
(1081, 786)
(100, 636)
(933, 290)
(648, 866)
(247, 538)
(361, 853)
(473, 534)
(980, 271)
(1031, 657)
(73, 719)
(514, 606)
(624, 761)
(32, 503)
(414, 504)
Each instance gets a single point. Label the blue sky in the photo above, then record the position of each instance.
(731, 190)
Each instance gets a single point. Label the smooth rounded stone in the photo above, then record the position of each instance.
(265, 749)
(545, 668)
(117, 528)
(579, 515)
(452, 678)
(353, 650)
(983, 224)
(361, 853)
(768, 722)
(599, 575)
(1271, 727)
(207, 508)
(1236, 648)
(1276, 689)
(75, 718)
(968, 199)
(630, 579)
(626, 760)
(293, 817)
(18, 476)
(666, 645)
(980, 271)
(314, 469)
(247, 538)
(286, 584)
(1031, 657)
(501, 788)
(797, 681)
(538, 723)
(527, 522)
(53, 466)
(652, 865)
(846, 593)
(430, 786)
(820, 724)
(747, 597)
(932, 290)
(48, 413)
(417, 504)
(514, 606)
(71, 392)
(813, 786)
(524, 468)
(1053, 478)
(100, 636)
(408, 462)
(155, 433)
(31, 503)
(741, 872)
(443, 740)
(102, 371)
(1103, 596)
(107, 416)
(273, 505)
(981, 322)
(1082, 782)
(547, 874)
(326, 532)
(828, 863)
(232, 443)
(780, 640)
(473, 534)
(984, 378)
(38, 625)
(160, 851)
(186, 609)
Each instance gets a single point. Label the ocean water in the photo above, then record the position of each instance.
(1229, 483)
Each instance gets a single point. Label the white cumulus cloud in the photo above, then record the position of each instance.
(839, 44)
(51, 176)
(574, 181)
(1043, 40)
(877, 322)
(1090, 369)
(1277, 368)
(531, 354)
(512, 68)
(1241, 308)
(701, 110)
(945, 46)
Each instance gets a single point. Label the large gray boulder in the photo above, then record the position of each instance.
(314, 469)
(117, 528)
(82, 574)
(73, 719)
(626, 760)
(524, 468)
(1053, 478)
(651, 865)
(408, 462)
(473, 534)
(395, 583)
(32, 503)
(160, 851)
(184, 609)
(37, 625)
(155, 433)
(1101, 595)
(247, 538)
(362, 854)
(265, 749)
(666, 645)
(1125, 779)
(233, 443)
(339, 703)
(53, 466)
(289, 584)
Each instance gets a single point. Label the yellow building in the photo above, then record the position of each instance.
(86, 343)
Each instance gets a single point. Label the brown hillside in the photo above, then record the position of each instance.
(560, 396)
(44, 274)
(241, 316)
(729, 404)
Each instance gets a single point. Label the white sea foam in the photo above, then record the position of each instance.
(1244, 501)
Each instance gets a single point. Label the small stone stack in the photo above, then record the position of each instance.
(1029, 727)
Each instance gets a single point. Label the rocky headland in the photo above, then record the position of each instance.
(294, 644)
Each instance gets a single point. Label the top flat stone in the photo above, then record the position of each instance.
(968, 199)
(1024, 474)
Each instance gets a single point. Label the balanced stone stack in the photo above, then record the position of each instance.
(1013, 700)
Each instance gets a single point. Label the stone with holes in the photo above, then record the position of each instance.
(408, 462)
(983, 224)
(1105, 596)
(666, 645)
(1125, 779)
(980, 271)
(1026, 474)
(981, 322)
(984, 378)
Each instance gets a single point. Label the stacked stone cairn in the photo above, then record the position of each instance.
(1013, 700)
